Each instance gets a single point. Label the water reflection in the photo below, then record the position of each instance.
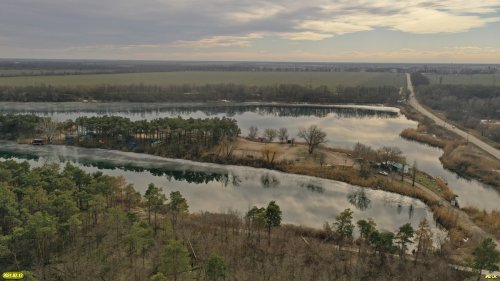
(134, 111)
(208, 187)
(344, 125)
(400, 208)
(359, 199)
(196, 177)
(269, 180)
(314, 187)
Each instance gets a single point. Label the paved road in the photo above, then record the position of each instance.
(413, 102)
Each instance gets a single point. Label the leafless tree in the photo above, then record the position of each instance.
(414, 172)
(270, 134)
(48, 128)
(322, 158)
(270, 152)
(226, 148)
(390, 154)
(283, 134)
(313, 136)
(252, 132)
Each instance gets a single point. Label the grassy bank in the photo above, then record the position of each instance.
(459, 156)
(471, 161)
(351, 175)
(432, 194)
(486, 220)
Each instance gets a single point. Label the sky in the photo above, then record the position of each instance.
(424, 31)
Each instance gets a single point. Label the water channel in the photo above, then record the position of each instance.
(304, 200)
(376, 126)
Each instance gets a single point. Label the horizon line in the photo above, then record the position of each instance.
(251, 61)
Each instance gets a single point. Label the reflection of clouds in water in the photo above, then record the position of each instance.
(299, 205)
(342, 130)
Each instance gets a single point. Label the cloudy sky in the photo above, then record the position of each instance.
(284, 30)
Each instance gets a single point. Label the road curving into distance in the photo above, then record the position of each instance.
(491, 150)
(415, 104)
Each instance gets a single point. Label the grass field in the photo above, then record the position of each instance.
(330, 79)
(32, 72)
(466, 79)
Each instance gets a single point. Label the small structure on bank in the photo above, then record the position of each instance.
(37, 141)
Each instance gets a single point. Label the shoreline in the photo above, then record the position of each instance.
(440, 211)
(451, 218)
(456, 152)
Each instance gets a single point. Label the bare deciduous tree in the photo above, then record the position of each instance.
(270, 152)
(48, 129)
(414, 172)
(226, 148)
(322, 158)
(313, 136)
(283, 134)
(252, 132)
(270, 134)
(390, 154)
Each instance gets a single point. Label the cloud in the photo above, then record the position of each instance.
(332, 27)
(150, 25)
(304, 36)
(411, 16)
(429, 21)
(261, 12)
(218, 41)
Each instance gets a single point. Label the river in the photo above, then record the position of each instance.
(376, 126)
(210, 187)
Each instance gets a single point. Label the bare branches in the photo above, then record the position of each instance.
(313, 136)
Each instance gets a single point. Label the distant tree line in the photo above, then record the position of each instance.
(419, 79)
(202, 93)
(17, 67)
(467, 105)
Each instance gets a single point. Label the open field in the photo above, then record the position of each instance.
(295, 153)
(37, 72)
(466, 79)
(330, 79)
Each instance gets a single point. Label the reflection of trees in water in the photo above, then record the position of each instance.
(410, 211)
(18, 155)
(269, 181)
(313, 187)
(281, 111)
(198, 177)
(227, 179)
(236, 180)
(359, 199)
(399, 208)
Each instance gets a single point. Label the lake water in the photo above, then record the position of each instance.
(304, 200)
(345, 126)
